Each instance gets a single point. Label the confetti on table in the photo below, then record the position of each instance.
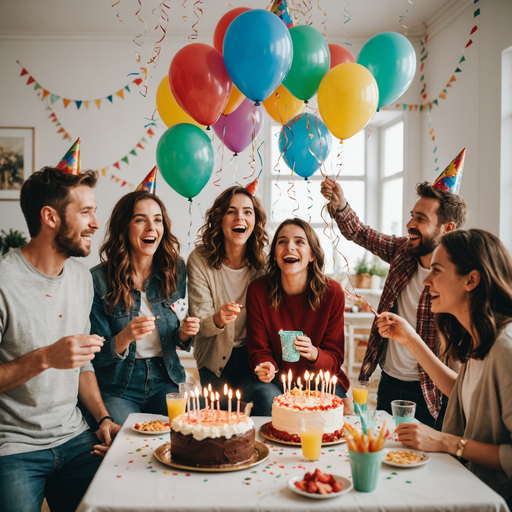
(119, 476)
(394, 473)
(408, 482)
(205, 480)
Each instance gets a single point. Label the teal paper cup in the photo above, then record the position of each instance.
(290, 353)
(365, 470)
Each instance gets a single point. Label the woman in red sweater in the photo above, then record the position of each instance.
(295, 295)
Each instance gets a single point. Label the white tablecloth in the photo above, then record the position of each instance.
(131, 479)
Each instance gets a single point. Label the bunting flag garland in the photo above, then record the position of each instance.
(45, 93)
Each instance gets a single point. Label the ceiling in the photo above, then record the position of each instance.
(355, 20)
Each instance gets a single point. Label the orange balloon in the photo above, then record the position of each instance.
(235, 100)
(170, 112)
(282, 105)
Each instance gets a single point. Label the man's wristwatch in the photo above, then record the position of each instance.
(462, 444)
(333, 211)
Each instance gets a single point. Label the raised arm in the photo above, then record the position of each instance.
(396, 328)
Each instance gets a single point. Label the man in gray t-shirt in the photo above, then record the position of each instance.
(46, 448)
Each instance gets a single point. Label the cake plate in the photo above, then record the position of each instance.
(261, 453)
(264, 431)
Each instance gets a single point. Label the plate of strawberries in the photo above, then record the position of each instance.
(319, 485)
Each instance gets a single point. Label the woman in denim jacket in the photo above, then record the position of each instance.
(138, 280)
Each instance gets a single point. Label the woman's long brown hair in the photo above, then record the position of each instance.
(211, 237)
(317, 280)
(491, 300)
(115, 251)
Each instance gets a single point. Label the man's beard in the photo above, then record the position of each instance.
(427, 243)
(67, 243)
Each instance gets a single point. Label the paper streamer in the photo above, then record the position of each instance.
(348, 18)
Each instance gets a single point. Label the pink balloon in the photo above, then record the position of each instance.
(340, 55)
(236, 129)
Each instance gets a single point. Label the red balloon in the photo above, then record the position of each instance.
(200, 82)
(340, 55)
(223, 24)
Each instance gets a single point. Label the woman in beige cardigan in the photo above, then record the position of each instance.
(229, 255)
(470, 284)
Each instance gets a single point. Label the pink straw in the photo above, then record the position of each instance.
(350, 296)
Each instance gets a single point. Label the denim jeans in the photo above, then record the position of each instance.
(145, 392)
(237, 374)
(391, 389)
(62, 474)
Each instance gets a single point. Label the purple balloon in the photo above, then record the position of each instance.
(236, 129)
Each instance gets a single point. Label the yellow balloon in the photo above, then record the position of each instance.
(170, 112)
(348, 97)
(235, 100)
(284, 107)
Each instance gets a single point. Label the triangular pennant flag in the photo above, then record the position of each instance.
(473, 30)
(149, 182)
(123, 183)
(436, 102)
(431, 131)
(137, 81)
(24, 72)
(45, 93)
(421, 108)
(67, 136)
(462, 59)
(424, 96)
(37, 86)
(116, 165)
(54, 98)
(433, 137)
(58, 124)
(104, 171)
(124, 159)
(61, 130)
(404, 106)
(118, 180)
(30, 80)
(54, 120)
(411, 107)
(150, 132)
(86, 104)
(66, 102)
(98, 103)
(451, 177)
(144, 140)
(448, 84)
(445, 91)
(127, 88)
(132, 152)
(453, 79)
(109, 98)
(78, 104)
(458, 70)
(51, 115)
(120, 94)
(139, 145)
(71, 161)
(470, 42)
(477, 13)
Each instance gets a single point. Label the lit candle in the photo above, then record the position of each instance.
(188, 405)
(334, 380)
(205, 394)
(300, 385)
(225, 389)
(218, 404)
(230, 396)
(284, 383)
(212, 405)
(289, 381)
(327, 379)
(317, 380)
(210, 388)
(310, 386)
(196, 390)
(306, 379)
(238, 396)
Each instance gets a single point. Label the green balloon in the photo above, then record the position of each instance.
(311, 61)
(185, 158)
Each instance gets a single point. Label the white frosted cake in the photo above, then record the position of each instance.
(289, 408)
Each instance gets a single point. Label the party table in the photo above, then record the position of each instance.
(130, 479)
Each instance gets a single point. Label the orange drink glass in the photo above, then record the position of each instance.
(360, 391)
(311, 433)
(176, 404)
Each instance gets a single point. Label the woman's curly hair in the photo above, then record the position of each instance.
(115, 251)
(210, 241)
(317, 280)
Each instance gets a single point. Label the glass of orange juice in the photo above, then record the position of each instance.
(311, 433)
(176, 404)
(360, 391)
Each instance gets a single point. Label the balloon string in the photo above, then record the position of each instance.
(138, 57)
(402, 18)
(184, 17)
(308, 194)
(297, 11)
(162, 25)
(118, 15)
(233, 165)
(277, 169)
(261, 159)
(308, 13)
(190, 225)
(321, 159)
(292, 193)
(218, 173)
(198, 11)
(252, 161)
(349, 17)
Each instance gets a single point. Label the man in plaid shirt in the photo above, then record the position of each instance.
(436, 212)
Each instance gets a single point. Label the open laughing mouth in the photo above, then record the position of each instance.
(290, 259)
(414, 236)
(87, 236)
(239, 230)
(434, 296)
(149, 240)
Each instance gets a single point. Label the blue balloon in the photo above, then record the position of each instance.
(258, 53)
(299, 138)
(391, 59)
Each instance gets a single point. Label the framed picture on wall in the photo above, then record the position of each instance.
(17, 155)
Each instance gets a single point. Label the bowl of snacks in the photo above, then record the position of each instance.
(320, 485)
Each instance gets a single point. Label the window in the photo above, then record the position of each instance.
(293, 196)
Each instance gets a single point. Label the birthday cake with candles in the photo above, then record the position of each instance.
(292, 406)
(212, 439)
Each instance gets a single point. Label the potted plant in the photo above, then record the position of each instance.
(378, 272)
(12, 240)
(362, 277)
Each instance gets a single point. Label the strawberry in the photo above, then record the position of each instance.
(301, 485)
(324, 488)
(336, 487)
(308, 476)
(322, 477)
(312, 487)
(332, 480)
